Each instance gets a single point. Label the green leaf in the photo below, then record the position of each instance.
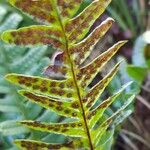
(94, 115)
(105, 124)
(43, 11)
(57, 89)
(63, 108)
(68, 8)
(11, 128)
(8, 108)
(81, 24)
(30, 144)
(3, 12)
(94, 93)
(11, 22)
(32, 57)
(88, 72)
(72, 129)
(98, 133)
(106, 140)
(141, 53)
(82, 50)
(137, 73)
(35, 35)
(124, 106)
(119, 119)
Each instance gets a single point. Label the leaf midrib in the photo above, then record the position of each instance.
(73, 75)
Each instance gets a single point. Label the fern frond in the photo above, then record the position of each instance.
(35, 35)
(93, 94)
(89, 71)
(52, 104)
(94, 115)
(30, 144)
(72, 129)
(53, 88)
(68, 94)
(79, 26)
(80, 51)
(97, 133)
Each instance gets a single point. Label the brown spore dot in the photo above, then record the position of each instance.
(44, 83)
(50, 127)
(74, 114)
(59, 108)
(84, 99)
(89, 116)
(51, 105)
(61, 85)
(43, 89)
(83, 84)
(69, 95)
(104, 104)
(52, 84)
(93, 113)
(42, 126)
(61, 92)
(73, 124)
(57, 146)
(42, 145)
(67, 111)
(23, 144)
(65, 125)
(13, 33)
(70, 85)
(64, 130)
(56, 129)
(35, 80)
(59, 103)
(79, 75)
(80, 124)
(53, 91)
(50, 147)
(28, 84)
(21, 81)
(87, 76)
(35, 87)
(75, 105)
(101, 86)
(57, 126)
(88, 105)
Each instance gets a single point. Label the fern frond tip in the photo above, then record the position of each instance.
(13, 77)
(21, 92)
(110, 19)
(6, 36)
(123, 42)
(9, 76)
(12, 2)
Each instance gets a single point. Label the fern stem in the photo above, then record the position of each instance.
(74, 78)
(79, 96)
(84, 117)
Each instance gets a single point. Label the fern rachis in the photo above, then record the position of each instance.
(68, 96)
